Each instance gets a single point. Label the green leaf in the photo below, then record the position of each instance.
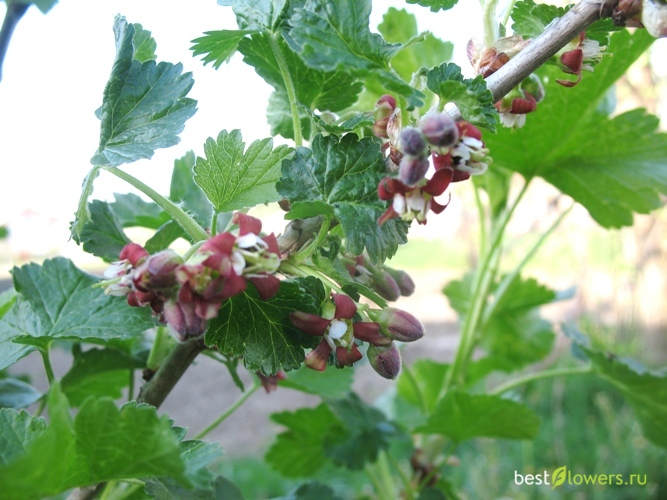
(424, 50)
(332, 37)
(420, 384)
(234, 180)
(339, 178)
(103, 443)
(197, 456)
(7, 300)
(256, 15)
(144, 106)
(165, 236)
(530, 19)
(367, 432)
(4, 232)
(185, 191)
(133, 211)
(18, 429)
(515, 335)
(327, 384)
(97, 373)
(340, 127)
(43, 5)
(299, 451)
(218, 46)
(17, 394)
(612, 166)
(315, 491)
(279, 116)
(144, 45)
(10, 351)
(462, 416)
(314, 89)
(168, 489)
(103, 234)
(435, 5)
(261, 331)
(645, 390)
(471, 96)
(57, 301)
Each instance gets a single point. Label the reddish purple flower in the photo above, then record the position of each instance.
(385, 360)
(468, 157)
(413, 203)
(383, 110)
(270, 382)
(582, 56)
(338, 333)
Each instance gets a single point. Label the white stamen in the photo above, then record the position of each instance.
(250, 240)
(399, 204)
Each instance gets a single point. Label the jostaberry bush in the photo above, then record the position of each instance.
(382, 130)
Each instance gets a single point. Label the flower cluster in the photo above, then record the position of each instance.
(520, 101)
(185, 295)
(456, 150)
(342, 331)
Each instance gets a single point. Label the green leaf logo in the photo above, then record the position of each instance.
(559, 476)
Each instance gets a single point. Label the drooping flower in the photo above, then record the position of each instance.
(338, 333)
(486, 61)
(578, 55)
(270, 382)
(384, 107)
(413, 202)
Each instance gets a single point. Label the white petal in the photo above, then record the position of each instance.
(238, 263)
(250, 240)
(416, 201)
(399, 204)
(337, 329)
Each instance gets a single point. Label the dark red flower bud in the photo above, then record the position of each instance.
(182, 319)
(385, 360)
(403, 280)
(270, 382)
(398, 324)
(412, 142)
(370, 332)
(412, 169)
(439, 129)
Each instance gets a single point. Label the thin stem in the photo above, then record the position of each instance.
(289, 86)
(555, 372)
(47, 365)
(193, 229)
(214, 223)
(508, 12)
(157, 352)
(482, 218)
(235, 406)
(490, 23)
(306, 252)
(303, 271)
(480, 292)
(509, 278)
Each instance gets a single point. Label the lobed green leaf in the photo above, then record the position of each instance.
(58, 301)
(144, 106)
(218, 47)
(102, 443)
(339, 178)
(332, 37)
(261, 331)
(103, 234)
(471, 96)
(233, 179)
(462, 416)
